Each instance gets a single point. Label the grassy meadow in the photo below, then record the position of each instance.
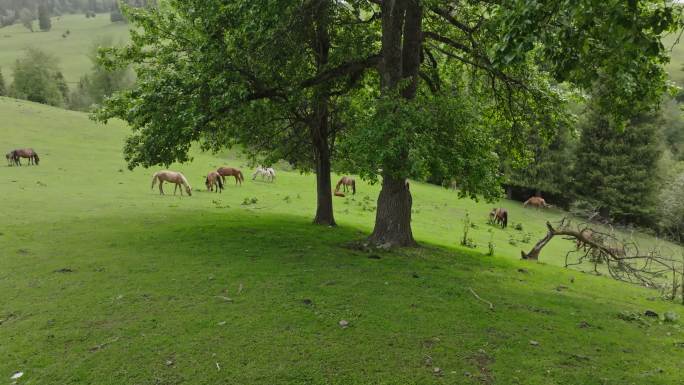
(104, 281)
(72, 51)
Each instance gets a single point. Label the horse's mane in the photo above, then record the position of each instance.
(184, 179)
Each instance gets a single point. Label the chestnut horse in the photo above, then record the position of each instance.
(213, 179)
(499, 216)
(172, 177)
(230, 171)
(344, 182)
(537, 202)
(25, 153)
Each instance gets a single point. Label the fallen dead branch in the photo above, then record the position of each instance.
(620, 258)
(491, 305)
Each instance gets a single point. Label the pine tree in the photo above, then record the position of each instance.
(550, 169)
(618, 170)
(44, 18)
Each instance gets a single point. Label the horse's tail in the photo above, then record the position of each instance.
(220, 184)
(154, 180)
(353, 187)
(240, 176)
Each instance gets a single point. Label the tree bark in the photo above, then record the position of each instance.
(393, 215)
(324, 202)
(401, 48)
(320, 121)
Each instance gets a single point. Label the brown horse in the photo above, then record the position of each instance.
(172, 177)
(25, 153)
(230, 171)
(213, 179)
(344, 182)
(499, 216)
(537, 202)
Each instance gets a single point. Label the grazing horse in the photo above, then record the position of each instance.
(172, 177)
(265, 172)
(344, 182)
(214, 179)
(537, 202)
(230, 171)
(499, 216)
(25, 153)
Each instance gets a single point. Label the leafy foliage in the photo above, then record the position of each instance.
(101, 82)
(37, 78)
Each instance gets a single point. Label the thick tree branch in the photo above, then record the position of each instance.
(452, 20)
(446, 40)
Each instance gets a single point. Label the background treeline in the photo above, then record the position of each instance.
(14, 11)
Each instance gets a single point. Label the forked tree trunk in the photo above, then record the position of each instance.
(401, 47)
(393, 215)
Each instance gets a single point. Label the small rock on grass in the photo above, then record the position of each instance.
(437, 371)
(534, 343)
(16, 375)
(671, 316)
(344, 324)
(650, 313)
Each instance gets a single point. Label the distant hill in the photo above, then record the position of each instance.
(72, 50)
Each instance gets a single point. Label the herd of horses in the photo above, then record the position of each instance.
(14, 157)
(216, 180)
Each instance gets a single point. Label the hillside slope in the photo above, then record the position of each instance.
(71, 51)
(106, 282)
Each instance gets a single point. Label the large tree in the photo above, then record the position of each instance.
(279, 76)
(572, 41)
(270, 76)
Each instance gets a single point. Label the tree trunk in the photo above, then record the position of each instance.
(401, 48)
(320, 124)
(324, 202)
(393, 215)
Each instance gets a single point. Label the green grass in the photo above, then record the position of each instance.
(143, 301)
(72, 51)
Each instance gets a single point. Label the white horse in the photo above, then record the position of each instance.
(171, 177)
(265, 172)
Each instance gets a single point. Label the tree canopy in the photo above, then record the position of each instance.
(398, 88)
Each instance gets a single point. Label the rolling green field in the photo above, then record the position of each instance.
(104, 281)
(72, 51)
